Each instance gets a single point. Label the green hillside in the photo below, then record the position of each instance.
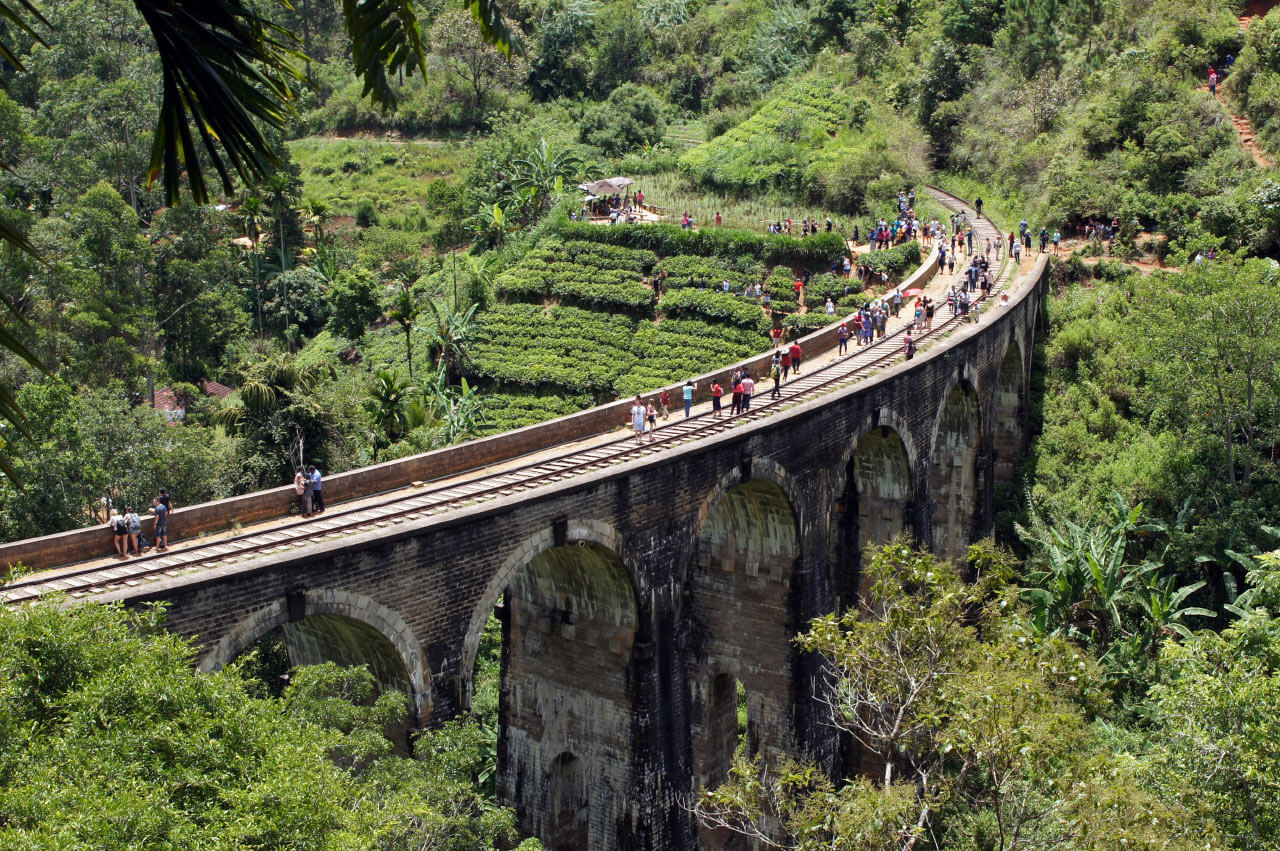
(409, 273)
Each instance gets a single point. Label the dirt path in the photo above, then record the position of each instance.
(1244, 129)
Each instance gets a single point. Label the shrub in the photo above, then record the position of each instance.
(366, 213)
(744, 313)
(527, 345)
(665, 240)
(893, 264)
(684, 270)
(781, 286)
(804, 322)
(630, 118)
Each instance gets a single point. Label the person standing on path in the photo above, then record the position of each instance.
(1056, 237)
(637, 419)
(909, 346)
(785, 362)
(897, 301)
(651, 414)
(796, 355)
(1213, 82)
(843, 334)
(748, 388)
(977, 204)
(736, 407)
(134, 523)
(307, 490)
(666, 404)
(688, 398)
(161, 511)
(776, 374)
(120, 532)
(716, 392)
(299, 481)
(317, 495)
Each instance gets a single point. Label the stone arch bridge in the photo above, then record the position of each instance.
(640, 601)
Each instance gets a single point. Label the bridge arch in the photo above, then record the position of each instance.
(1009, 412)
(582, 529)
(875, 497)
(739, 611)
(955, 491)
(570, 623)
(339, 626)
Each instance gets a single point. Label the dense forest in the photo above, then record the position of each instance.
(1106, 673)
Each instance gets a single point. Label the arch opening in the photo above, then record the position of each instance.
(568, 828)
(344, 641)
(1009, 425)
(875, 507)
(953, 477)
(564, 748)
(740, 616)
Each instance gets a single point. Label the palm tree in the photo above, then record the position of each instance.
(250, 210)
(318, 215)
(405, 312)
(387, 405)
(282, 194)
(542, 173)
(279, 409)
(450, 332)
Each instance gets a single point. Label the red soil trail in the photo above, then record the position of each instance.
(1255, 9)
(1244, 130)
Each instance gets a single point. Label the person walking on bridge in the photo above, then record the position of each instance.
(796, 355)
(748, 388)
(317, 495)
(637, 419)
(161, 511)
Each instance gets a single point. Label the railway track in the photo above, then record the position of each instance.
(481, 487)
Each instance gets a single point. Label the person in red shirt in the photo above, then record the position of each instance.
(736, 406)
(786, 363)
(796, 355)
(666, 404)
(716, 392)
(777, 337)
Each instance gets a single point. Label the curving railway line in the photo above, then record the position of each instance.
(83, 583)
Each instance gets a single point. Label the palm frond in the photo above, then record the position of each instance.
(15, 237)
(16, 13)
(384, 39)
(226, 68)
(494, 28)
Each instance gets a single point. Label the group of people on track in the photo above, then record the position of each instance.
(127, 527)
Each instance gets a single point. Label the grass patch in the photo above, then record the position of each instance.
(676, 195)
(395, 176)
